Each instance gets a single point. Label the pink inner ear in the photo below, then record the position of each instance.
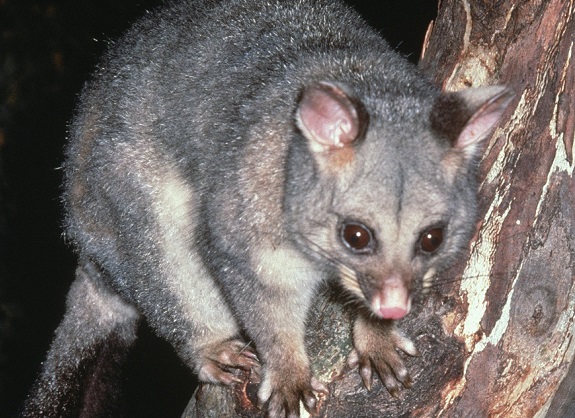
(328, 117)
(476, 129)
(483, 121)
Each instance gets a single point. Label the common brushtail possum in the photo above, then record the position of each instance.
(228, 157)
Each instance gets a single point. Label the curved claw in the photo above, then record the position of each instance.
(376, 345)
(366, 373)
(319, 387)
(285, 396)
(281, 405)
(217, 362)
(405, 344)
(353, 359)
(310, 402)
(392, 376)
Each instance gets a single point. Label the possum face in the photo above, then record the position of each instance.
(389, 205)
(393, 233)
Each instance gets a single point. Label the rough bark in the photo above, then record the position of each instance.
(496, 334)
(514, 307)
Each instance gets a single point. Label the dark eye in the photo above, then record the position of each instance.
(357, 237)
(431, 240)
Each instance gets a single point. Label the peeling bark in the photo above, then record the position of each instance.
(515, 302)
(496, 334)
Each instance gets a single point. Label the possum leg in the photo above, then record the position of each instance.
(274, 317)
(81, 373)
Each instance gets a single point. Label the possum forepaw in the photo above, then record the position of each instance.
(221, 362)
(280, 394)
(376, 344)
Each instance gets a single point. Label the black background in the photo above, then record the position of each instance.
(47, 50)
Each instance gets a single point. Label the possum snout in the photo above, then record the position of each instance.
(393, 300)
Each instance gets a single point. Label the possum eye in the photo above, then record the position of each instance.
(431, 239)
(357, 237)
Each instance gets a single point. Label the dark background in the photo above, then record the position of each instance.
(47, 50)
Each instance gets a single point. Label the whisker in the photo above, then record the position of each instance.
(348, 275)
(326, 255)
(442, 281)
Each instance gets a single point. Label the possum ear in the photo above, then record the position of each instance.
(467, 117)
(329, 118)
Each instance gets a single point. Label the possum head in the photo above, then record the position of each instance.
(386, 200)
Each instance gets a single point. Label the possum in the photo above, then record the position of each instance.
(229, 157)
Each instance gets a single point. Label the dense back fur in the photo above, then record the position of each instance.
(207, 91)
(211, 116)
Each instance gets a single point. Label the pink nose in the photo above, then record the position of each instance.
(393, 301)
(392, 313)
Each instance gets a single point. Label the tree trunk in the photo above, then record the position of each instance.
(496, 334)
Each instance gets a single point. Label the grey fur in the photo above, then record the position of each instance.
(194, 199)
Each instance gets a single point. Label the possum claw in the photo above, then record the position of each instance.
(281, 395)
(376, 344)
(219, 362)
